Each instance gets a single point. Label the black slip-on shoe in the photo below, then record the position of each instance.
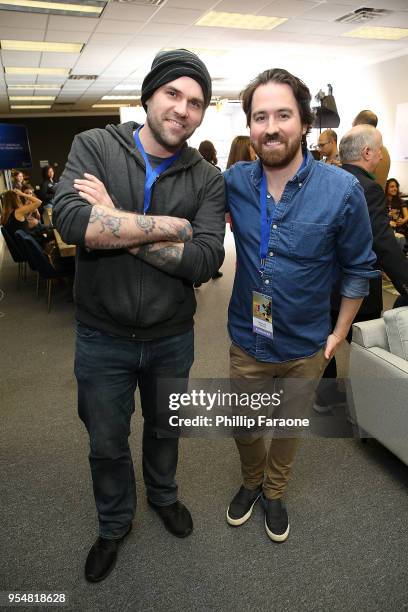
(102, 558)
(176, 518)
(276, 519)
(240, 509)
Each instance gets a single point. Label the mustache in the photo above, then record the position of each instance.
(274, 137)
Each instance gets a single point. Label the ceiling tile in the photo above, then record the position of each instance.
(291, 8)
(20, 58)
(16, 34)
(21, 78)
(232, 6)
(59, 60)
(303, 26)
(72, 24)
(125, 12)
(17, 19)
(166, 30)
(61, 36)
(397, 20)
(178, 16)
(147, 45)
(49, 78)
(118, 40)
(186, 4)
(112, 26)
(385, 4)
(327, 12)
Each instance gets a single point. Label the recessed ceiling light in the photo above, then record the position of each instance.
(35, 98)
(109, 105)
(32, 45)
(121, 97)
(377, 32)
(33, 107)
(21, 70)
(217, 19)
(34, 86)
(59, 8)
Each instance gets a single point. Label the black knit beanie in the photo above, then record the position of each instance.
(170, 65)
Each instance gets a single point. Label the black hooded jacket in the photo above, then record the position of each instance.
(115, 291)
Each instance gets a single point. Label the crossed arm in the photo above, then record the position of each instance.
(157, 240)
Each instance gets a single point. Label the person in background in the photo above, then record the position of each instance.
(360, 151)
(367, 117)
(19, 213)
(397, 208)
(207, 150)
(328, 147)
(241, 150)
(18, 181)
(48, 185)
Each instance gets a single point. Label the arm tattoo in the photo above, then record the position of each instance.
(165, 256)
(106, 220)
(145, 223)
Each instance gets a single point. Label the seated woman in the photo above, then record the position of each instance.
(397, 209)
(19, 212)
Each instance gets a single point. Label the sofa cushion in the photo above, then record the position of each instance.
(371, 333)
(396, 325)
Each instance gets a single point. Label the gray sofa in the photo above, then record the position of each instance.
(379, 380)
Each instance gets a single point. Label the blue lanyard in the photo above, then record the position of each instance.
(266, 221)
(152, 175)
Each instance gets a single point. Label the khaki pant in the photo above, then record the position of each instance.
(272, 468)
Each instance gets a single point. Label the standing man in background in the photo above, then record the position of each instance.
(360, 153)
(148, 219)
(328, 147)
(293, 219)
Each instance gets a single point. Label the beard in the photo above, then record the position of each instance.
(279, 158)
(164, 136)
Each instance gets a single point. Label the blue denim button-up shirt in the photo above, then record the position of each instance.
(320, 225)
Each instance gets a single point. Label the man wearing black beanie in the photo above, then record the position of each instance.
(146, 212)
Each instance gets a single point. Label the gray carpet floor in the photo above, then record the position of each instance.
(347, 501)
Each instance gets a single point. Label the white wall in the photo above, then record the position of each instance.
(380, 88)
(221, 127)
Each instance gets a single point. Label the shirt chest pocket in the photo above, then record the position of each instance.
(308, 240)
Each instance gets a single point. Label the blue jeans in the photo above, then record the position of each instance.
(108, 370)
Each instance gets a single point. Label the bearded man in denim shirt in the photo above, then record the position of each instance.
(295, 222)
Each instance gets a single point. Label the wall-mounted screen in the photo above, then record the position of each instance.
(14, 147)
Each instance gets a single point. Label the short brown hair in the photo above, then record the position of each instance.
(279, 75)
(366, 117)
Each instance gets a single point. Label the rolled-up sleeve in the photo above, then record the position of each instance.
(354, 252)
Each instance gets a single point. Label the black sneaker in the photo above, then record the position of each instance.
(102, 558)
(240, 509)
(335, 399)
(276, 519)
(176, 518)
